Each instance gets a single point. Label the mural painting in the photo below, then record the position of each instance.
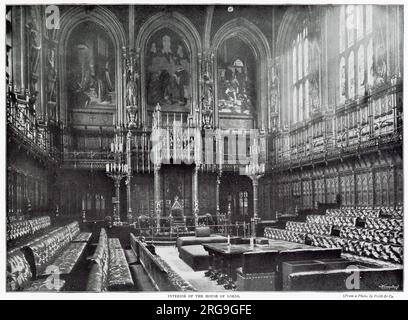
(168, 71)
(90, 68)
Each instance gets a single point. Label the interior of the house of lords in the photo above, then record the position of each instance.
(204, 148)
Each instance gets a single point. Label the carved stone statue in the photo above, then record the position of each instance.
(132, 96)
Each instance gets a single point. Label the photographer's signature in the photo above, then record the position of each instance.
(389, 287)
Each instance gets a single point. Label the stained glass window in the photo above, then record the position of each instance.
(304, 62)
(357, 58)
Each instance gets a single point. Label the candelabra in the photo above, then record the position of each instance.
(255, 171)
(117, 170)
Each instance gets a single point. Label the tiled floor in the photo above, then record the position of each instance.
(195, 278)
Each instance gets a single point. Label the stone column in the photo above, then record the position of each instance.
(196, 209)
(157, 200)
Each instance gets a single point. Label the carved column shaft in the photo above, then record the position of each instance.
(255, 218)
(117, 195)
(157, 202)
(129, 173)
(255, 185)
(195, 195)
(217, 193)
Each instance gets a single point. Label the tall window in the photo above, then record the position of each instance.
(355, 51)
(300, 76)
(243, 203)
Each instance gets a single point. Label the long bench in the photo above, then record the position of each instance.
(20, 277)
(161, 275)
(109, 267)
(57, 250)
(54, 254)
(20, 229)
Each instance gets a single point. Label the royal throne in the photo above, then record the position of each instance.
(177, 218)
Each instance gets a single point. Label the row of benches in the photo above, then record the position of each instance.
(346, 221)
(109, 267)
(385, 236)
(386, 252)
(357, 213)
(381, 212)
(353, 230)
(45, 263)
(377, 211)
(394, 237)
(19, 229)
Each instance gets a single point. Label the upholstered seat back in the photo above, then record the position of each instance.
(18, 271)
(44, 249)
(98, 277)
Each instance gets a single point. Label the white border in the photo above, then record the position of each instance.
(177, 295)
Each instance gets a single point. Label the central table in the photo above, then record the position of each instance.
(225, 259)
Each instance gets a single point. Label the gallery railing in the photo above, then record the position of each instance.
(79, 159)
(22, 121)
(355, 128)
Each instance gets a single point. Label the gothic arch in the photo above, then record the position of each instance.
(294, 20)
(105, 19)
(181, 25)
(256, 40)
(287, 28)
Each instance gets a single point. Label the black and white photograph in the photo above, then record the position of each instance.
(215, 147)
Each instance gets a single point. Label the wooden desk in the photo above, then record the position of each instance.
(225, 259)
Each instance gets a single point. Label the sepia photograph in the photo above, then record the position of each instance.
(223, 148)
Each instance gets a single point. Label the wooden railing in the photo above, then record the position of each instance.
(22, 121)
(354, 128)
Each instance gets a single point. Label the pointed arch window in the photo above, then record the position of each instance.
(355, 58)
(304, 64)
